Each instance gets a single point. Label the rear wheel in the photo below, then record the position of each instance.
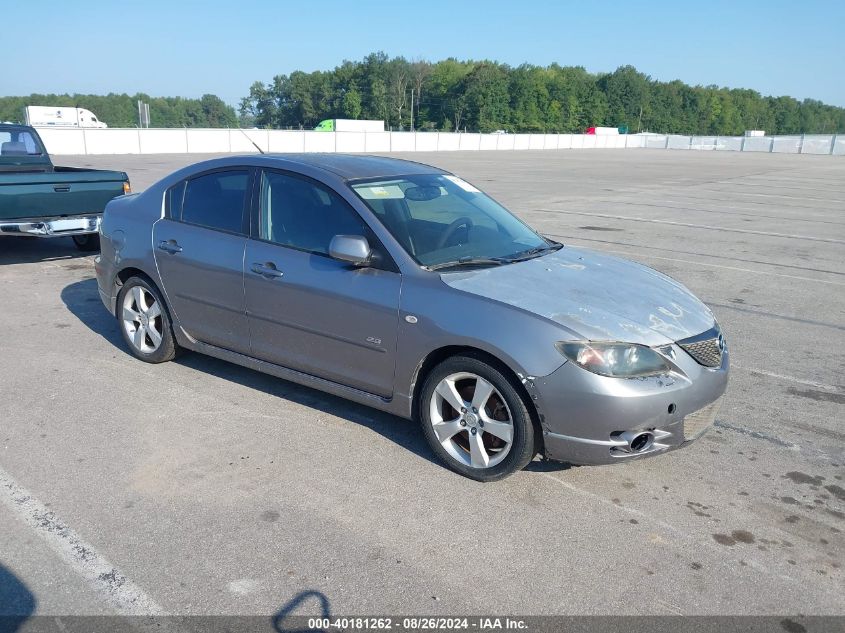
(87, 242)
(475, 420)
(144, 322)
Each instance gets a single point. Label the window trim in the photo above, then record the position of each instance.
(246, 210)
(168, 209)
(387, 262)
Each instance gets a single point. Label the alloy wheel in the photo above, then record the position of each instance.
(471, 420)
(142, 319)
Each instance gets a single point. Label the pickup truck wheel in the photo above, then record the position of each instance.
(87, 242)
(475, 420)
(144, 322)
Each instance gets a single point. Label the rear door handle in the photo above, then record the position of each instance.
(268, 270)
(169, 246)
(61, 188)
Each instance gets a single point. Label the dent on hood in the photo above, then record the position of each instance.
(597, 296)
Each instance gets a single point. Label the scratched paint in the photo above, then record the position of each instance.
(599, 296)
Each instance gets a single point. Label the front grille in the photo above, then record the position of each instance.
(696, 423)
(706, 348)
(705, 353)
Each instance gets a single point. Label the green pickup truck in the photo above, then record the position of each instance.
(37, 198)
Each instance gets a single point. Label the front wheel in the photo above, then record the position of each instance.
(87, 242)
(475, 420)
(144, 322)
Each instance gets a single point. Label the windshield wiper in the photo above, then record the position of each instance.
(469, 261)
(535, 252)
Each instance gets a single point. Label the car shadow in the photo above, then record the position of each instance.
(541, 465)
(82, 299)
(405, 433)
(17, 603)
(32, 250)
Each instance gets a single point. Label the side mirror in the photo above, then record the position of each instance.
(353, 249)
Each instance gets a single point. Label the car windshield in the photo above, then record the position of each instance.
(442, 220)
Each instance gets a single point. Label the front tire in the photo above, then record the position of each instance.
(87, 242)
(144, 321)
(475, 420)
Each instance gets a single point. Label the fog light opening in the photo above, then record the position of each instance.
(672, 408)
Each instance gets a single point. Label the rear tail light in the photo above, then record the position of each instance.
(126, 187)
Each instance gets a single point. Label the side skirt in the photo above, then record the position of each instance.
(396, 406)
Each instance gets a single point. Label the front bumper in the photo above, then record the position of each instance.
(52, 227)
(584, 415)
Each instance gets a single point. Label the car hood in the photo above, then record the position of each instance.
(596, 296)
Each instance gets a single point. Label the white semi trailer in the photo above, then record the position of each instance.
(603, 131)
(60, 116)
(350, 125)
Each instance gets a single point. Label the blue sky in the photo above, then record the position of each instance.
(189, 48)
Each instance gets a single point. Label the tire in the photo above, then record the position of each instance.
(144, 321)
(463, 437)
(88, 242)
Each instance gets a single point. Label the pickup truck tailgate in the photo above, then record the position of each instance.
(65, 191)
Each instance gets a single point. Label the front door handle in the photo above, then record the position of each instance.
(268, 270)
(169, 246)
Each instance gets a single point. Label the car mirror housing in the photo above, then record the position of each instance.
(354, 249)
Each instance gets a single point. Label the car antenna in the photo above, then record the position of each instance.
(250, 140)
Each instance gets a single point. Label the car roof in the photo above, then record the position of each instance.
(353, 166)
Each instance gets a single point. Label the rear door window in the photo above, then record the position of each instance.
(216, 200)
(18, 143)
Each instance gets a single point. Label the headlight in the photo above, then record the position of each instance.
(614, 359)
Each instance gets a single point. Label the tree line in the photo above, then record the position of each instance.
(486, 96)
(452, 95)
(121, 110)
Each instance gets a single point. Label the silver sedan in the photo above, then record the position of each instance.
(405, 288)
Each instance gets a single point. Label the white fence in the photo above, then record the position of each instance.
(221, 141)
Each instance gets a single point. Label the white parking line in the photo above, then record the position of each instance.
(738, 269)
(697, 263)
(800, 381)
(122, 594)
(708, 227)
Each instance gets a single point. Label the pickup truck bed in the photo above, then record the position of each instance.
(65, 191)
(38, 198)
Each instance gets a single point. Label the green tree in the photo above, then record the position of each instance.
(352, 104)
(485, 94)
(445, 104)
(529, 97)
(627, 94)
(398, 83)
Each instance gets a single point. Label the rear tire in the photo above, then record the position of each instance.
(144, 321)
(475, 420)
(88, 242)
